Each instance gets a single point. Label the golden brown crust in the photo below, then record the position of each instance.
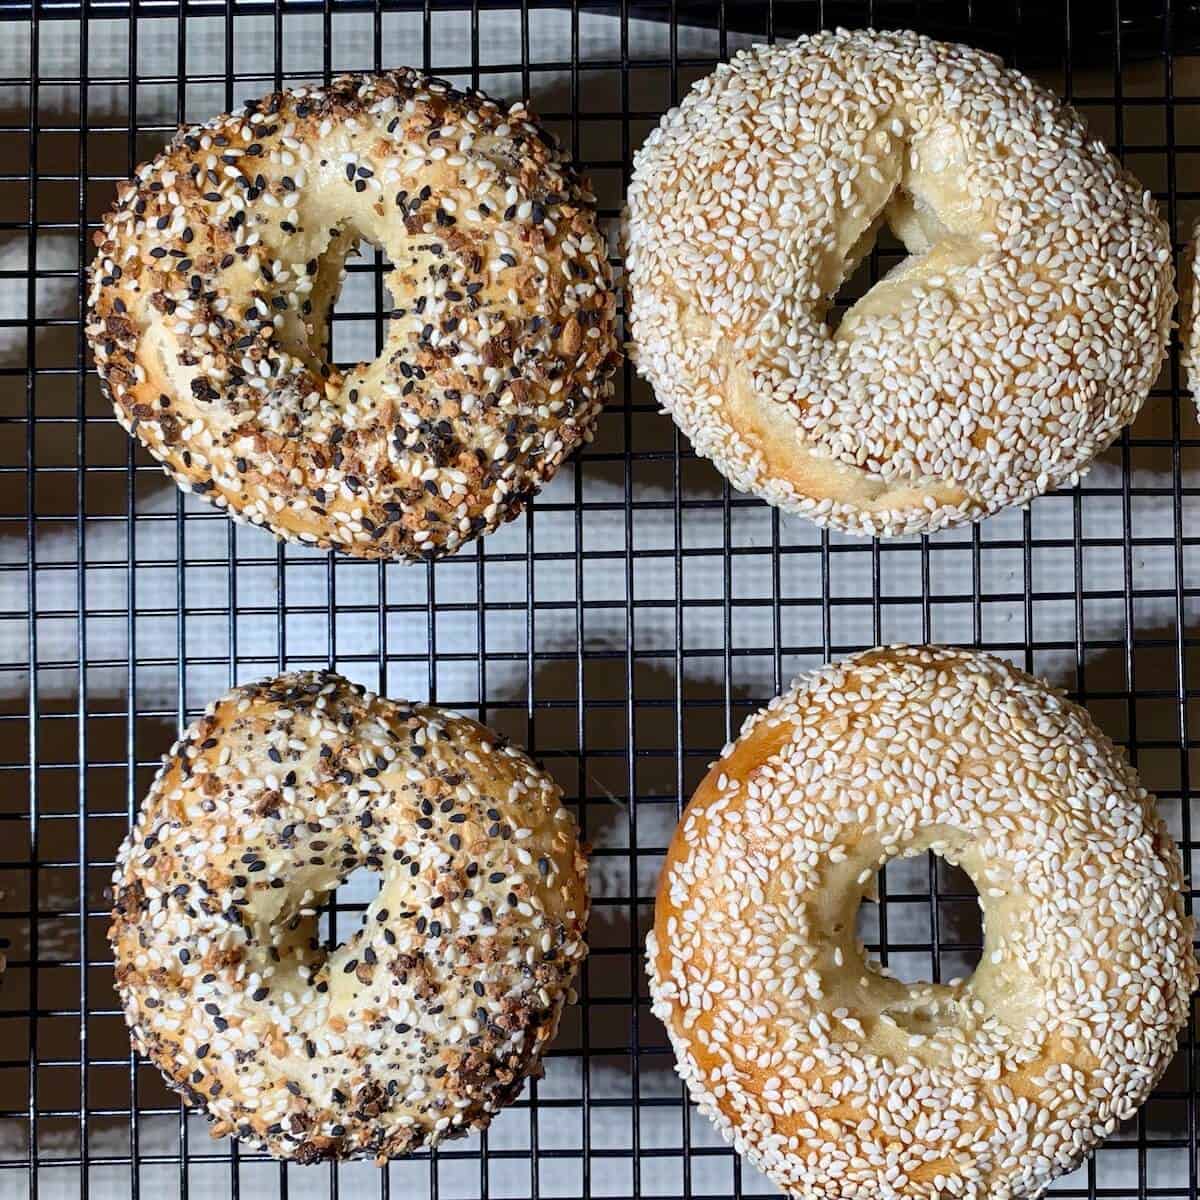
(839, 1081)
(208, 313)
(429, 1017)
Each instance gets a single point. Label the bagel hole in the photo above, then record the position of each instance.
(927, 924)
(361, 307)
(879, 253)
(345, 911)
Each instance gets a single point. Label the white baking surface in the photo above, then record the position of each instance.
(684, 652)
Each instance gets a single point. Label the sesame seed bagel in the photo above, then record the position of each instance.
(217, 271)
(838, 1080)
(1022, 333)
(1189, 314)
(427, 1018)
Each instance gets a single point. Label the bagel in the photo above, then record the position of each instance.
(1022, 333)
(427, 1018)
(1189, 315)
(838, 1080)
(217, 270)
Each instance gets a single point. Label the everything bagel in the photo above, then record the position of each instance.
(427, 1018)
(217, 270)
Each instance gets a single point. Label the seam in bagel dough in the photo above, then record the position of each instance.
(216, 271)
(839, 1081)
(428, 1018)
(1021, 336)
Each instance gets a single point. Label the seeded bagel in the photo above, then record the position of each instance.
(1189, 315)
(1022, 333)
(840, 1081)
(217, 270)
(428, 1017)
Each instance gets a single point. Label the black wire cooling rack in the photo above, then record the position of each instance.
(622, 630)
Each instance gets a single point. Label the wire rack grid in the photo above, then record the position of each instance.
(622, 629)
